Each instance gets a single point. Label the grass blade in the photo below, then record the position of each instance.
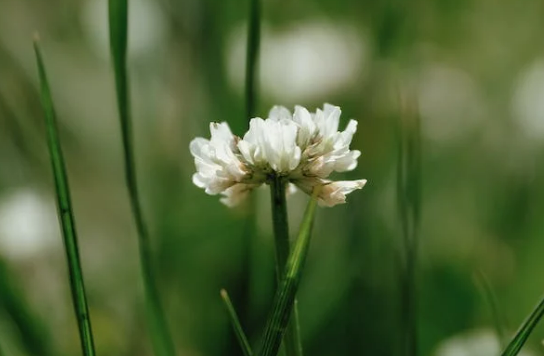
(118, 20)
(252, 56)
(409, 207)
(285, 295)
(525, 330)
(491, 299)
(34, 336)
(242, 339)
(65, 212)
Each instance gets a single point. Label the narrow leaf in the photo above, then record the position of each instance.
(525, 330)
(491, 299)
(118, 19)
(242, 339)
(65, 212)
(285, 295)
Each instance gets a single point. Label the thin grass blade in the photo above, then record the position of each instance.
(515, 345)
(34, 336)
(285, 295)
(491, 299)
(65, 212)
(238, 330)
(162, 341)
(409, 207)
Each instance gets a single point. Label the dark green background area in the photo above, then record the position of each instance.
(465, 63)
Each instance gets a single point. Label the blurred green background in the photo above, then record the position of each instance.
(475, 68)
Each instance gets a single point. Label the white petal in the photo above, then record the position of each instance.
(279, 113)
(306, 124)
(236, 194)
(335, 193)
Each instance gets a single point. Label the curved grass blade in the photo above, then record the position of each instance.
(118, 20)
(34, 336)
(491, 299)
(525, 330)
(65, 212)
(285, 295)
(242, 339)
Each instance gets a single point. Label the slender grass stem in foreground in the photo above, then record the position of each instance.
(525, 330)
(285, 295)
(242, 339)
(65, 212)
(292, 342)
(118, 18)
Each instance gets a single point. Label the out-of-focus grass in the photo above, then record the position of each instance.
(482, 201)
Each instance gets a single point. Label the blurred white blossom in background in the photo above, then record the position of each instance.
(28, 224)
(528, 101)
(483, 342)
(310, 60)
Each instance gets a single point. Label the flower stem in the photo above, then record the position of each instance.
(65, 212)
(118, 18)
(292, 342)
(284, 300)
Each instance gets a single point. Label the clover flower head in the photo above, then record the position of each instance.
(301, 148)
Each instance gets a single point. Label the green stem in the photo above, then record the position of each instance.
(284, 300)
(525, 330)
(252, 56)
(409, 205)
(292, 341)
(118, 18)
(65, 212)
(238, 330)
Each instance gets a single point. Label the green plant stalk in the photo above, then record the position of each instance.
(118, 19)
(252, 56)
(65, 212)
(491, 299)
(285, 295)
(292, 341)
(525, 330)
(238, 330)
(409, 206)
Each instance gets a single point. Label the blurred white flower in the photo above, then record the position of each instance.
(28, 224)
(476, 343)
(302, 148)
(308, 60)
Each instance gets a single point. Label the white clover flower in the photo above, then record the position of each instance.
(302, 148)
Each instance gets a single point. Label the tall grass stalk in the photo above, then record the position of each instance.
(252, 57)
(118, 20)
(284, 298)
(242, 339)
(515, 345)
(65, 212)
(251, 102)
(409, 206)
